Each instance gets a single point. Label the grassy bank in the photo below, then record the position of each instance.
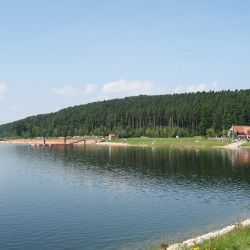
(238, 239)
(175, 142)
(191, 142)
(246, 145)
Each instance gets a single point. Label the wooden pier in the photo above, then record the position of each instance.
(64, 142)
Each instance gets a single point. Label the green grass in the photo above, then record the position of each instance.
(246, 145)
(175, 142)
(238, 239)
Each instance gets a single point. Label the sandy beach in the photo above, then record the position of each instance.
(60, 141)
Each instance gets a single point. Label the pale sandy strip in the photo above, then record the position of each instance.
(193, 242)
(234, 145)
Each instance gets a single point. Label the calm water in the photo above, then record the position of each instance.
(115, 197)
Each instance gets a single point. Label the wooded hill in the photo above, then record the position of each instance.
(157, 116)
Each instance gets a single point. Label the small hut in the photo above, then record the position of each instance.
(112, 137)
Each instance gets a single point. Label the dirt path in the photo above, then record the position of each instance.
(234, 145)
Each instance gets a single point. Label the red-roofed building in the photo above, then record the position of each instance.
(240, 131)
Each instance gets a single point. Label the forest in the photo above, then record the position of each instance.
(188, 114)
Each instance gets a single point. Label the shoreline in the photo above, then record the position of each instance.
(167, 143)
(50, 142)
(200, 239)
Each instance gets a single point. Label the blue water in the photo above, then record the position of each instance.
(115, 197)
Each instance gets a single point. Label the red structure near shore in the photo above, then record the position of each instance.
(240, 131)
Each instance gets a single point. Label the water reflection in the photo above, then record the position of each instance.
(158, 161)
(149, 168)
(240, 158)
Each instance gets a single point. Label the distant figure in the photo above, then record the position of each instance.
(44, 141)
(164, 246)
(112, 137)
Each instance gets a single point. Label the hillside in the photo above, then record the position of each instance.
(163, 115)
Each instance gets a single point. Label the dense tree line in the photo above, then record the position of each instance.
(157, 116)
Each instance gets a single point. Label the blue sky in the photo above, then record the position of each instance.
(59, 53)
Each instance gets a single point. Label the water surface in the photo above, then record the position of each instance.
(117, 197)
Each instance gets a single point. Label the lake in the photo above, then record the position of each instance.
(102, 197)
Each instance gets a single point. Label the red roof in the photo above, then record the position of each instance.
(241, 130)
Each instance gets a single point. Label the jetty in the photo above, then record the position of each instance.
(63, 142)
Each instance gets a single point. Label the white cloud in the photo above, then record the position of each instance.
(199, 87)
(114, 89)
(2, 90)
(2, 87)
(215, 84)
(67, 91)
(179, 89)
(71, 91)
(89, 88)
(128, 88)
